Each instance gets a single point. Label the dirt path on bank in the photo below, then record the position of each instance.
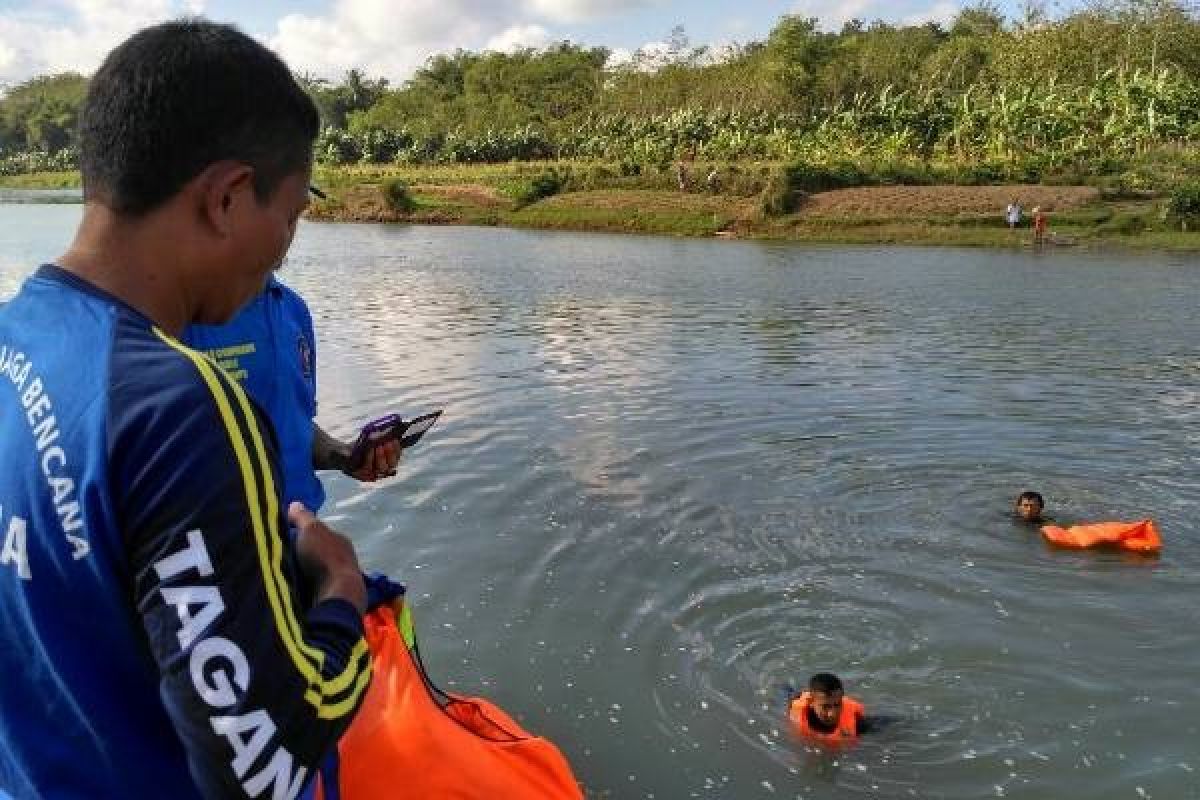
(924, 200)
(866, 201)
(474, 194)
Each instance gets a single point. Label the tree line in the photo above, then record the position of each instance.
(1096, 88)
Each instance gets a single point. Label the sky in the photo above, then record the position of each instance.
(392, 38)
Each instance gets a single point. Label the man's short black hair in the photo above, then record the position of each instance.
(825, 683)
(1034, 496)
(173, 99)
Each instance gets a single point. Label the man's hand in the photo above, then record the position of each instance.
(327, 559)
(379, 462)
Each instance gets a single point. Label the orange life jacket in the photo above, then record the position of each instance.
(410, 739)
(847, 724)
(1139, 537)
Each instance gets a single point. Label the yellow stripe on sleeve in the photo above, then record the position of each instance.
(340, 682)
(307, 659)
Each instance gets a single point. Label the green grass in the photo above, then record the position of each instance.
(629, 220)
(42, 180)
(494, 175)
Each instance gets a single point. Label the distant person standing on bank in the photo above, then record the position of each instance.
(1012, 215)
(1039, 225)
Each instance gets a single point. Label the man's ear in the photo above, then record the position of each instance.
(224, 188)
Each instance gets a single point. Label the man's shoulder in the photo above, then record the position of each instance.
(171, 411)
(290, 300)
(153, 370)
(99, 341)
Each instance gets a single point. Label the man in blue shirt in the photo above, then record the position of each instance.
(270, 348)
(158, 636)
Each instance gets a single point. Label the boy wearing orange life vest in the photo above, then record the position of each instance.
(824, 713)
(1137, 537)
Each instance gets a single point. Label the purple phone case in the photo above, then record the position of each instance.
(391, 426)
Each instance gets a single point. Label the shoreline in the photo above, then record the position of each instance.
(959, 216)
(826, 218)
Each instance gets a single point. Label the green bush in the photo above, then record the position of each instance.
(1183, 207)
(546, 183)
(1029, 170)
(903, 174)
(782, 193)
(1142, 178)
(397, 197)
(1063, 176)
(598, 177)
(807, 177)
(845, 174)
(38, 161)
(739, 182)
(981, 174)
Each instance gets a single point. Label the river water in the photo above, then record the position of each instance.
(674, 476)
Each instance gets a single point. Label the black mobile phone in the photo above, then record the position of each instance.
(416, 427)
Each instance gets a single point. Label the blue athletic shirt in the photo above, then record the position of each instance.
(153, 642)
(270, 348)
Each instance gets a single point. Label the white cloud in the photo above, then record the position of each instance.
(942, 13)
(618, 57)
(517, 37)
(721, 52)
(647, 58)
(582, 10)
(392, 40)
(8, 57)
(75, 35)
(831, 14)
(657, 54)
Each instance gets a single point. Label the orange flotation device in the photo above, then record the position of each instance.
(1138, 537)
(411, 739)
(847, 725)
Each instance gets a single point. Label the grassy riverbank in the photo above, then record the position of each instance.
(497, 194)
(926, 215)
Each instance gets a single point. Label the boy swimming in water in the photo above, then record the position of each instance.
(1028, 508)
(825, 713)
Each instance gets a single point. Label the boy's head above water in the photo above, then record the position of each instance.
(827, 693)
(1029, 506)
